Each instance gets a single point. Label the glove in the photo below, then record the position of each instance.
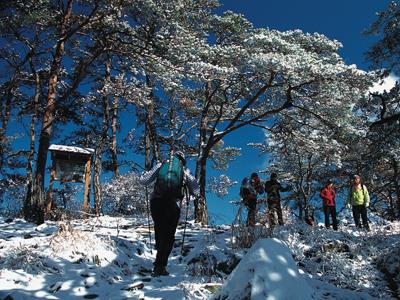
(348, 205)
(366, 204)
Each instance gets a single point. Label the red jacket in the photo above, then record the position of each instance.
(328, 195)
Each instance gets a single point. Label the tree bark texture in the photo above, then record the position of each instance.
(114, 123)
(101, 145)
(37, 201)
(32, 137)
(86, 194)
(96, 182)
(152, 143)
(201, 210)
(396, 178)
(5, 115)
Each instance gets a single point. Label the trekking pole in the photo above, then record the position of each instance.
(148, 217)
(187, 210)
(148, 207)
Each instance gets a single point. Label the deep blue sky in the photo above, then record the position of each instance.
(342, 20)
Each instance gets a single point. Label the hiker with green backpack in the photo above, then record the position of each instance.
(171, 178)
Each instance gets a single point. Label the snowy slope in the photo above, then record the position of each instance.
(111, 258)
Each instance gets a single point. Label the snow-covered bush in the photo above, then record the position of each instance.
(27, 258)
(124, 195)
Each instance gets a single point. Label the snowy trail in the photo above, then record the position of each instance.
(95, 261)
(110, 258)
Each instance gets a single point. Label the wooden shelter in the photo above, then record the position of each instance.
(70, 164)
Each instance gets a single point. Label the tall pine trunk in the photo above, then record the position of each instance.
(201, 210)
(32, 135)
(204, 146)
(6, 113)
(37, 201)
(396, 178)
(101, 145)
(152, 147)
(96, 182)
(114, 123)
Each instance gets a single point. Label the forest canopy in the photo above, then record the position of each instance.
(141, 78)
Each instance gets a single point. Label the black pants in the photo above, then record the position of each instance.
(165, 214)
(360, 211)
(274, 207)
(330, 211)
(251, 205)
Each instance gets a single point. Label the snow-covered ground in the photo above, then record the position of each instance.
(111, 258)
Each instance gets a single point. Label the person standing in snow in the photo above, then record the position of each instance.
(273, 189)
(165, 211)
(359, 200)
(249, 190)
(328, 196)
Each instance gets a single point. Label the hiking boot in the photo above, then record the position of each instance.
(159, 271)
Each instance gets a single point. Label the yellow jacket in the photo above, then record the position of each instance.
(358, 196)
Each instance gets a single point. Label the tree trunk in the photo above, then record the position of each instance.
(201, 210)
(301, 209)
(114, 137)
(86, 194)
(200, 205)
(32, 135)
(300, 183)
(6, 115)
(96, 182)
(153, 133)
(38, 195)
(49, 201)
(102, 145)
(206, 141)
(308, 190)
(147, 148)
(37, 201)
(396, 174)
(152, 149)
(392, 206)
(152, 144)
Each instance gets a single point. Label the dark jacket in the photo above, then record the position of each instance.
(250, 188)
(272, 188)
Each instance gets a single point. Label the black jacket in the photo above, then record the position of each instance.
(272, 188)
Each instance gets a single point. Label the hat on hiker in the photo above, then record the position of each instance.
(253, 175)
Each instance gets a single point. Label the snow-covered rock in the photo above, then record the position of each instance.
(268, 271)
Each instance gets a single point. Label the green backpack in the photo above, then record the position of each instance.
(170, 178)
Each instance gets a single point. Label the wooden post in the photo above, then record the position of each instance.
(87, 185)
(50, 191)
